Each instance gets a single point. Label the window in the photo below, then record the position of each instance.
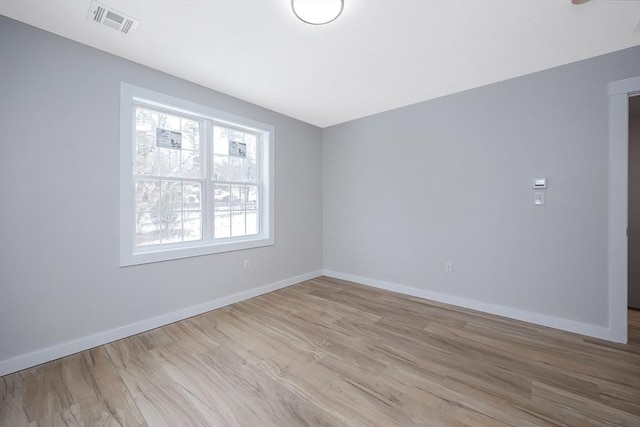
(194, 180)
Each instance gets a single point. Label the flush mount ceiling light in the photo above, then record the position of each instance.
(317, 12)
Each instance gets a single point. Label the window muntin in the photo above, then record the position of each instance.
(211, 193)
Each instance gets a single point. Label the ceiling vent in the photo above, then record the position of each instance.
(103, 14)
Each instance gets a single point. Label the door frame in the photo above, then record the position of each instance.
(619, 92)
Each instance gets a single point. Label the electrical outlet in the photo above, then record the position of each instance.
(247, 265)
(448, 267)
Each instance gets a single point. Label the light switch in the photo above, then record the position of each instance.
(540, 183)
(539, 198)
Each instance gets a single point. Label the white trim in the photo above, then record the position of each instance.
(618, 187)
(499, 310)
(81, 344)
(625, 86)
(130, 95)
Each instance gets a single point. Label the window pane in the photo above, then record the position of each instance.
(252, 223)
(221, 168)
(222, 136)
(250, 170)
(171, 227)
(238, 198)
(222, 225)
(147, 229)
(190, 135)
(170, 195)
(162, 161)
(222, 197)
(236, 165)
(252, 197)
(145, 153)
(191, 164)
(192, 196)
(146, 119)
(145, 142)
(168, 161)
(168, 121)
(235, 135)
(252, 145)
(147, 195)
(192, 226)
(220, 141)
(238, 224)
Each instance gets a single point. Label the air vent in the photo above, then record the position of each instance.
(103, 14)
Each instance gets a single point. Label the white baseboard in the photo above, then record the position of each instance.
(512, 313)
(65, 349)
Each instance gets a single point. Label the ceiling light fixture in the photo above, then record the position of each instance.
(317, 12)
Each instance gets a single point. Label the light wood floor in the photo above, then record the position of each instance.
(332, 353)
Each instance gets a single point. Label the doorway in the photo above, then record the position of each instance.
(619, 95)
(633, 265)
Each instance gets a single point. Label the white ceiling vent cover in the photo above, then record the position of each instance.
(103, 14)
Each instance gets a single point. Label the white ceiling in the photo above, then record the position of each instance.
(379, 55)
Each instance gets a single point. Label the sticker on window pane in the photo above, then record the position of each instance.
(237, 149)
(168, 139)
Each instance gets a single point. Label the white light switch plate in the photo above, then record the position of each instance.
(540, 183)
(539, 198)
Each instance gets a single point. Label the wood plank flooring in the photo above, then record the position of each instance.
(332, 353)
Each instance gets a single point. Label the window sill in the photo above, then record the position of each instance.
(159, 254)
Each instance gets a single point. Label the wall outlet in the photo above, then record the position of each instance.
(448, 267)
(247, 265)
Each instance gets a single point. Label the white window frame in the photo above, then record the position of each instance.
(132, 96)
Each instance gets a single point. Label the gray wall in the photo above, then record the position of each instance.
(59, 191)
(449, 180)
(634, 202)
